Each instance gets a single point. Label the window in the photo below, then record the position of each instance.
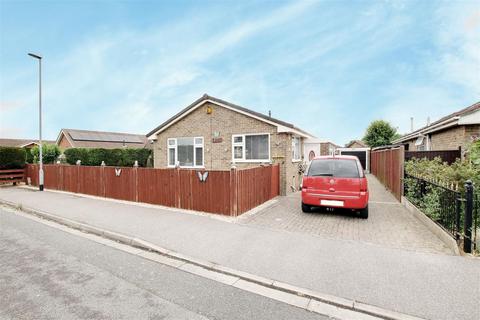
(339, 168)
(251, 147)
(186, 152)
(296, 149)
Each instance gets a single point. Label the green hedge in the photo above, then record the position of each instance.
(12, 158)
(112, 157)
(50, 153)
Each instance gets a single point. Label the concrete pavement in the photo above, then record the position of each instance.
(51, 274)
(421, 284)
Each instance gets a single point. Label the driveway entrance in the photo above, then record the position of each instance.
(389, 223)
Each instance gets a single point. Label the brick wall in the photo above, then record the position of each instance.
(63, 143)
(449, 139)
(218, 156)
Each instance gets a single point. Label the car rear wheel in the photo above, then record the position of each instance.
(364, 213)
(306, 208)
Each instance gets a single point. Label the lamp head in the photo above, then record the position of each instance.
(36, 56)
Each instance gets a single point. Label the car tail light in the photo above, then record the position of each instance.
(363, 185)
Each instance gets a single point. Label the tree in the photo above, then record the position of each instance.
(50, 153)
(379, 133)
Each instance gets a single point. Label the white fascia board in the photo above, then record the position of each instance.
(472, 118)
(26, 144)
(66, 137)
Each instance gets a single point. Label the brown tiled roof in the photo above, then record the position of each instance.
(104, 139)
(360, 142)
(20, 142)
(231, 105)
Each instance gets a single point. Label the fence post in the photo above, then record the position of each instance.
(177, 189)
(467, 237)
(233, 192)
(135, 172)
(458, 210)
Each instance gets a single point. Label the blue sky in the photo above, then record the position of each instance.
(329, 67)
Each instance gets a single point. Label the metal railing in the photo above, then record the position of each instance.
(456, 212)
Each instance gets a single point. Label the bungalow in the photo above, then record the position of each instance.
(73, 138)
(214, 134)
(451, 132)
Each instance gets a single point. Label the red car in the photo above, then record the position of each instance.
(335, 182)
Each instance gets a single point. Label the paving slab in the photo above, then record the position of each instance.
(389, 224)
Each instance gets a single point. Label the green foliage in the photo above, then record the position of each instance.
(431, 202)
(28, 152)
(474, 153)
(12, 158)
(379, 133)
(50, 153)
(111, 157)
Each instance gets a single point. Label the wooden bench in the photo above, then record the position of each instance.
(12, 176)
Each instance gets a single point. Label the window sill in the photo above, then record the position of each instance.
(297, 160)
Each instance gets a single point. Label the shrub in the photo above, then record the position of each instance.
(74, 154)
(112, 157)
(29, 154)
(50, 153)
(12, 158)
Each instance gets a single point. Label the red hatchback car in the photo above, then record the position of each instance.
(335, 182)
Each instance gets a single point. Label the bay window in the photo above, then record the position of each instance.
(251, 148)
(185, 152)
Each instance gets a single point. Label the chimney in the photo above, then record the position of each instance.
(269, 113)
(428, 121)
(411, 124)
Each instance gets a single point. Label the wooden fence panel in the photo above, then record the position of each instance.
(90, 181)
(224, 192)
(157, 186)
(449, 156)
(387, 166)
(212, 195)
(121, 186)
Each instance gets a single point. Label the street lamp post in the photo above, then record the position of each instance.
(40, 172)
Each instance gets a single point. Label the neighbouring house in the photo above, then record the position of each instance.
(22, 143)
(73, 138)
(452, 132)
(214, 134)
(356, 144)
(313, 147)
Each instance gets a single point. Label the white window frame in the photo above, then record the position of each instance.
(195, 145)
(242, 144)
(296, 138)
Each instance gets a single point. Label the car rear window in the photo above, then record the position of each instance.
(340, 168)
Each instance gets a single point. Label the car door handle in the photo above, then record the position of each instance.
(331, 190)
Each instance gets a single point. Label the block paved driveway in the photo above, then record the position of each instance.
(389, 223)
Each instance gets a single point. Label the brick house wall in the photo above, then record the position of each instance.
(218, 155)
(449, 139)
(63, 143)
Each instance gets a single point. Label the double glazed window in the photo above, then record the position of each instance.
(251, 147)
(296, 150)
(186, 152)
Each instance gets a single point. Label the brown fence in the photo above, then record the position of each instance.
(387, 166)
(12, 176)
(449, 156)
(224, 192)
